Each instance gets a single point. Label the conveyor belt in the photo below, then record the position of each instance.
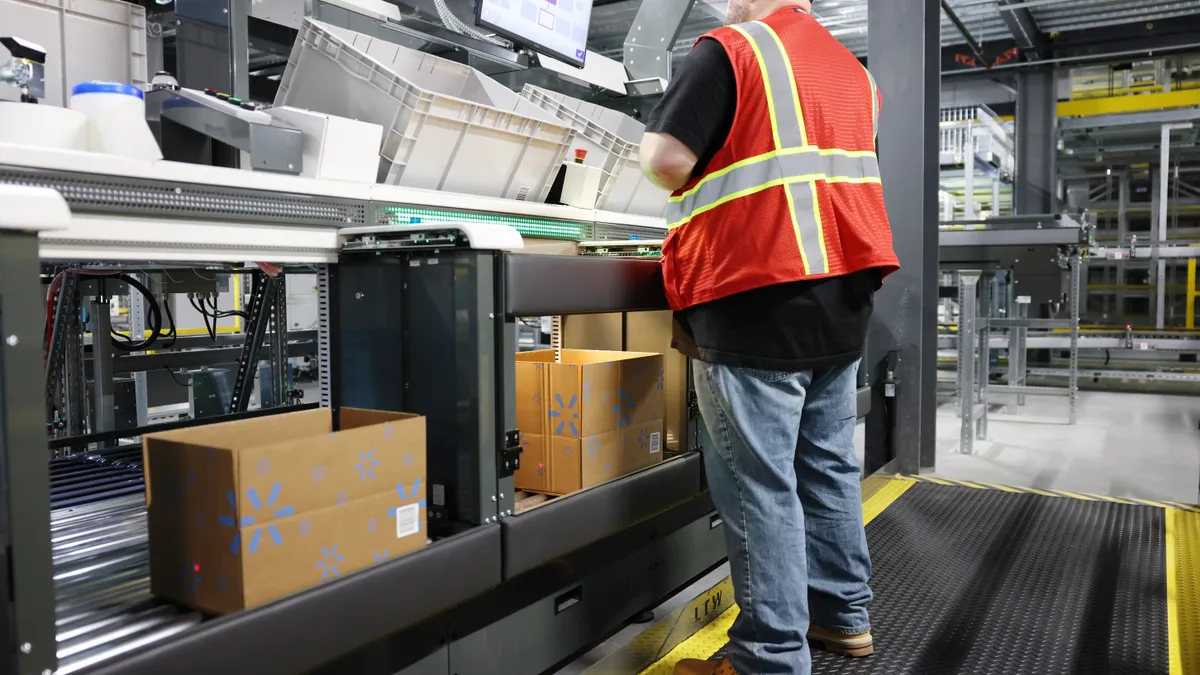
(1000, 581)
(101, 561)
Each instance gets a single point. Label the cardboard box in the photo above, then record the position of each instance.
(247, 512)
(588, 418)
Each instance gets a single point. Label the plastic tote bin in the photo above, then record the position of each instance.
(446, 126)
(612, 140)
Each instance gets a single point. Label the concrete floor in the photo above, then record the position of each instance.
(1124, 445)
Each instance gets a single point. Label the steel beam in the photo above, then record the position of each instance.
(653, 33)
(1177, 115)
(1024, 30)
(905, 54)
(1037, 141)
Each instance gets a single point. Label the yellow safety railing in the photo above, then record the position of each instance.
(1192, 293)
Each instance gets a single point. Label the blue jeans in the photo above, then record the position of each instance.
(779, 453)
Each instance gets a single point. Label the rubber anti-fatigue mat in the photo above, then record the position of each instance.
(988, 582)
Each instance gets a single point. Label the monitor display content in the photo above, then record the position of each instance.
(556, 27)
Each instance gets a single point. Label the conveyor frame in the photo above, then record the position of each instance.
(633, 542)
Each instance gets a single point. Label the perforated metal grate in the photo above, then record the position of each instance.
(87, 193)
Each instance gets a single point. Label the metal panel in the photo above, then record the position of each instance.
(652, 36)
(25, 561)
(584, 602)
(304, 631)
(589, 516)
(547, 285)
(905, 53)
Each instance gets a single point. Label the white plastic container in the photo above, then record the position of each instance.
(612, 140)
(446, 126)
(45, 126)
(116, 114)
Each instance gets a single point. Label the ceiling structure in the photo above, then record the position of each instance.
(996, 25)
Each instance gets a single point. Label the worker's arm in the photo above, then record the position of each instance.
(666, 161)
(692, 121)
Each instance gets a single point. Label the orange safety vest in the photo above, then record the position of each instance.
(795, 192)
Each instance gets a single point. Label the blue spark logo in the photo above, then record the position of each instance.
(263, 467)
(624, 407)
(593, 446)
(342, 498)
(329, 562)
(366, 467)
(372, 526)
(406, 495)
(380, 557)
(568, 451)
(305, 528)
(247, 521)
(661, 380)
(644, 439)
(561, 414)
(587, 391)
(389, 432)
(408, 459)
(318, 474)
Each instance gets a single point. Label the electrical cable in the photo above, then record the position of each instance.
(212, 330)
(459, 26)
(126, 343)
(172, 374)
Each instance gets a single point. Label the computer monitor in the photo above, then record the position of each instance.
(556, 27)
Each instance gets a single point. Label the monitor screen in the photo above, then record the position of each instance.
(556, 27)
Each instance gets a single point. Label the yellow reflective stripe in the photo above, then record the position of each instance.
(874, 103)
(827, 152)
(795, 90)
(762, 67)
(767, 186)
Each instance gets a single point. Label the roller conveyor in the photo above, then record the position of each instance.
(103, 605)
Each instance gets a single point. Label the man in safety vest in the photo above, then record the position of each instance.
(778, 241)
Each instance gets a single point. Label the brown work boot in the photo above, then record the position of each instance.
(840, 643)
(698, 667)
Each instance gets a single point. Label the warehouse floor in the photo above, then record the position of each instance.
(1127, 445)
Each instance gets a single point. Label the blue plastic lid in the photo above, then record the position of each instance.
(107, 88)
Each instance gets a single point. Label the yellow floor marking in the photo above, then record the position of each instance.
(884, 498)
(702, 645)
(1183, 591)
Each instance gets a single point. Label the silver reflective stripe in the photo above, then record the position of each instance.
(874, 100)
(808, 228)
(778, 76)
(803, 166)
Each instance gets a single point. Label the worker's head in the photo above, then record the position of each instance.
(741, 11)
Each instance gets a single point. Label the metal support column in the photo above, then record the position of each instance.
(905, 52)
(1037, 141)
(983, 364)
(27, 632)
(1077, 300)
(280, 366)
(969, 209)
(1017, 351)
(968, 314)
(137, 328)
(996, 195)
(1123, 194)
(1160, 266)
(100, 324)
(651, 37)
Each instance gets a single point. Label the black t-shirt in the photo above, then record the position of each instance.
(796, 326)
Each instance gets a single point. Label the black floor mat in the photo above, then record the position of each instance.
(988, 582)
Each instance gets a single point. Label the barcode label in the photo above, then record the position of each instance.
(408, 520)
(523, 193)
(655, 443)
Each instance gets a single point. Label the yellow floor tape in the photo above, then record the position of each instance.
(712, 637)
(1183, 590)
